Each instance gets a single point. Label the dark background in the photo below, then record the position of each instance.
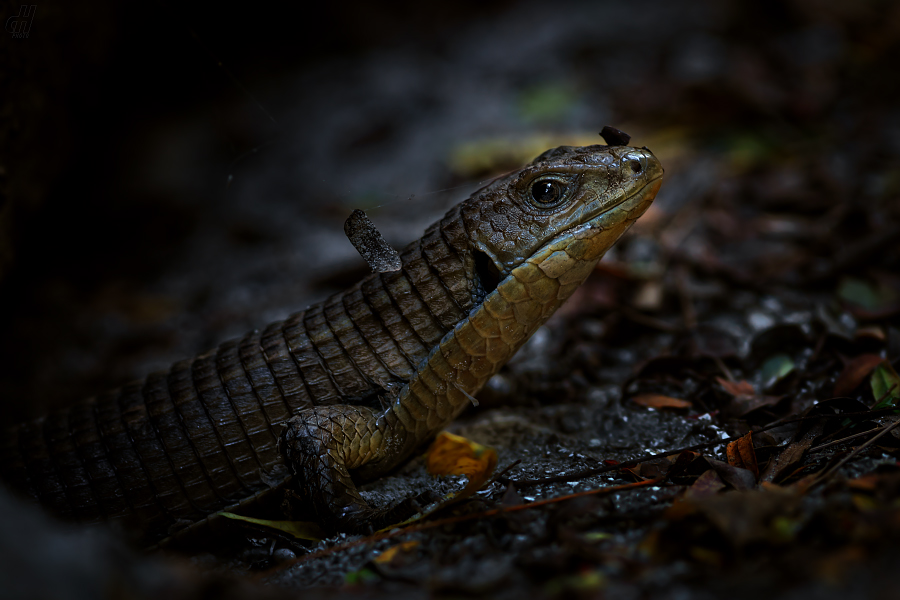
(173, 175)
(123, 122)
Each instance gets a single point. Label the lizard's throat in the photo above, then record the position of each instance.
(601, 232)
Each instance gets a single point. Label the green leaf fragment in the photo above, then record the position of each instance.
(362, 576)
(303, 530)
(885, 386)
(776, 367)
(785, 529)
(863, 294)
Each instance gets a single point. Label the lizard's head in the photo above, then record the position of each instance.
(588, 195)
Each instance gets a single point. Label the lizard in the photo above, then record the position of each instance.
(347, 389)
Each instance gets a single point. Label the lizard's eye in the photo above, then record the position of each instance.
(546, 192)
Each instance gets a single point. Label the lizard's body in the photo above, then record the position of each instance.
(361, 379)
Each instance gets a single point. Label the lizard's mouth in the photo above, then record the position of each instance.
(636, 203)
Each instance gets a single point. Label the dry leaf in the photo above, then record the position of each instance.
(455, 455)
(391, 553)
(451, 454)
(708, 484)
(792, 454)
(737, 388)
(741, 454)
(681, 462)
(873, 332)
(855, 372)
(745, 397)
(660, 401)
(865, 482)
(739, 478)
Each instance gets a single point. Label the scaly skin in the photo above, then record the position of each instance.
(361, 379)
(605, 203)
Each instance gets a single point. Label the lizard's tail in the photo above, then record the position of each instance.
(157, 454)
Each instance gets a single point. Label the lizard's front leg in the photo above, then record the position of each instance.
(322, 445)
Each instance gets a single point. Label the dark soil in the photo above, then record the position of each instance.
(184, 203)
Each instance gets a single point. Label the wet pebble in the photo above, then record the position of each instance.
(281, 555)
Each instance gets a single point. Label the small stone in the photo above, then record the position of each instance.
(283, 554)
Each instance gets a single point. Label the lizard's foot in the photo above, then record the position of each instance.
(365, 521)
(320, 446)
(399, 512)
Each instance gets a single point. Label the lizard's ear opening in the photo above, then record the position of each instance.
(487, 272)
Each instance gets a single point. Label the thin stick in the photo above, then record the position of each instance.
(853, 454)
(608, 468)
(848, 438)
(884, 395)
(630, 463)
(846, 427)
(493, 512)
(452, 520)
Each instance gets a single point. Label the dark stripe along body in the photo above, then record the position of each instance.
(178, 446)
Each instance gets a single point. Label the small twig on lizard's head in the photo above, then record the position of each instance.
(370, 244)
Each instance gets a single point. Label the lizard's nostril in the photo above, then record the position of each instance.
(636, 166)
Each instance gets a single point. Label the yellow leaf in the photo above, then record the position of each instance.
(388, 555)
(302, 530)
(455, 455)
